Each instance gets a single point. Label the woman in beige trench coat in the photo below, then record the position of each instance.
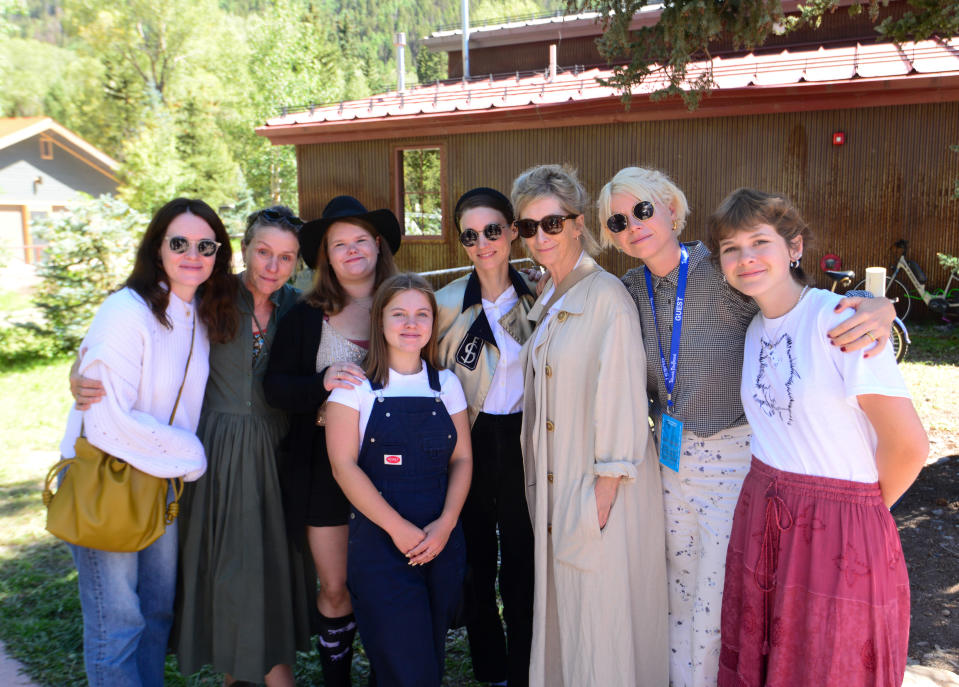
(599, 610)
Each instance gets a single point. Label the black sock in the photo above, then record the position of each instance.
(336, 649)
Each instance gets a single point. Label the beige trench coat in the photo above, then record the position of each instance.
(600, 605)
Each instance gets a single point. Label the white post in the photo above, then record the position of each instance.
(465, 11)
(400, 43)
(876, 281)
(552, 61)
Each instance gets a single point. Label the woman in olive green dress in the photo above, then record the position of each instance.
(244, 579)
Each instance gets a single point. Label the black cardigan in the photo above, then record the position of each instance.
(293, 384)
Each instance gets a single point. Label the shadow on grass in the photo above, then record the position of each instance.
(928, 521)
(933, 343)
(19, 497)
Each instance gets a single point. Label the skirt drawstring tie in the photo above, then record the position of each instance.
(777, 519)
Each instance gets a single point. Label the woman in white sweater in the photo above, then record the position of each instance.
(178, 298)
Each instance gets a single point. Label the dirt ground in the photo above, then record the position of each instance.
(928, 519)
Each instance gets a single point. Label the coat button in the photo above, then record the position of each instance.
(549, 425)
(372, 440)
(562, 315)
(549, 529)
(549, 477)
(387, 415)
(352, 516)
(549, 371)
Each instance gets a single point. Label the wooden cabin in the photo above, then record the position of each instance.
(857, 132)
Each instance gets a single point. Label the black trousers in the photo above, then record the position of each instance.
(497, 499)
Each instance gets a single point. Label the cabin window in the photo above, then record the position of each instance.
(419, 186)
(46, 149)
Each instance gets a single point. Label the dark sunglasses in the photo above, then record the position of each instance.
(278, 218)
(181, 244)
(618, 222)
(469, 237)
(552, 224)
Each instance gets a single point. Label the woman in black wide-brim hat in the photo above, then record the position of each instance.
(317, 349)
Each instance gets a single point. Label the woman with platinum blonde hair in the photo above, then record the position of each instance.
(599, 606)
(693, 329)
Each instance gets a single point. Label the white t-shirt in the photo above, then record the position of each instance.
(799, 393)
(505, 393)
(362, 397)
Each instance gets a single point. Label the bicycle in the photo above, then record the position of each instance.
(898, 336)
(944, 303)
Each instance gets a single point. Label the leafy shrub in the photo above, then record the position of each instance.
(90, 251)
(24, 344)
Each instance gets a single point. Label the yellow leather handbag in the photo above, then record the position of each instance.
(105, 503)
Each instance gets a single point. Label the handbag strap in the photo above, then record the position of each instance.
(188, 357)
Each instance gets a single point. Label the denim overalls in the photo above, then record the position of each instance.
(403, 612)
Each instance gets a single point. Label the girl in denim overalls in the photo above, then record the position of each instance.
(399, 446)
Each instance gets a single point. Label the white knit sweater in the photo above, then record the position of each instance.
(140, 363)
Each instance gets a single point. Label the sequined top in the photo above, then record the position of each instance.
(334, 348)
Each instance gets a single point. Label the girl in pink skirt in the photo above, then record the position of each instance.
(816, 589)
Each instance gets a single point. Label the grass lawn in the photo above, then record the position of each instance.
(39, 610)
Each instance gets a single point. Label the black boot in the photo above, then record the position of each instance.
(336, 649)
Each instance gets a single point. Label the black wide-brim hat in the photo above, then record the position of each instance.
(343, 208)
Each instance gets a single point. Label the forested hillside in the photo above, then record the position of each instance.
(174, 88)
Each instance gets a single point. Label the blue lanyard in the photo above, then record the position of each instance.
(669, 373)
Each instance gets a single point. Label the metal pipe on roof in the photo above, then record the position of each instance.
(400, 43)
(552, 61)
(465, 12)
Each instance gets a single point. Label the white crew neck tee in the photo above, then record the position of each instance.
(799, 393)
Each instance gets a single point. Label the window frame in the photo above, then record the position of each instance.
(46, 148)
(398, 188)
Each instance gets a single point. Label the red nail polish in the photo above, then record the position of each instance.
(836, 309)
(842, 348)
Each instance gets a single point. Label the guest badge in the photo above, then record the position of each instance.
(671, 431)
(670, 441)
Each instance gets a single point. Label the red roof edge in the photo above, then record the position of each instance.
(801, 97)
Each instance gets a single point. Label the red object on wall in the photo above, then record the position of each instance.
(838, 138)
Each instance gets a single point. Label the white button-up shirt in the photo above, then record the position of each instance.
(505, 394)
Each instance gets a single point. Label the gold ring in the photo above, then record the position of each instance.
(869, 334)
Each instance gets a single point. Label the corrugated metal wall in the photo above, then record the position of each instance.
(894, 177)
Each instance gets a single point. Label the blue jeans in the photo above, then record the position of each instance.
(127, 601)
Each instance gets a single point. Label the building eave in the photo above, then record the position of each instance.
(47, 125)
(800, 97)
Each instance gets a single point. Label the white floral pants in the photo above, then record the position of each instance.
(699, 502)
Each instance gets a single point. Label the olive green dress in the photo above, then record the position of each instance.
(246, 585)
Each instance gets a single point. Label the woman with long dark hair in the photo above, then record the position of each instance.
(239, 569)
(148, 341)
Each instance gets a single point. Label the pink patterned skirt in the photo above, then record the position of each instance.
(816, 587)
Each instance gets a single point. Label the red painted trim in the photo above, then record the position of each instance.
(802, 97)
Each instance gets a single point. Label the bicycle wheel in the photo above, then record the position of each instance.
(895, 291)
(897, 338)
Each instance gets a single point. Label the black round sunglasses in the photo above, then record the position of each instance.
(643, 210)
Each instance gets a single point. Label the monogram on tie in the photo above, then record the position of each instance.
(469, 351)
